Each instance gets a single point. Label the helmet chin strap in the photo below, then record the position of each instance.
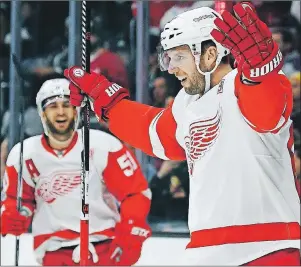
(64, 143)
(207, 74)
(53, 139)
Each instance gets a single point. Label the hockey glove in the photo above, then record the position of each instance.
(125, 248)
(103, 93)
(76, 254)
(15, 223)
(250, 41)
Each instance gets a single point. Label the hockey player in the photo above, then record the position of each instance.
(232, 126)
(51, 189)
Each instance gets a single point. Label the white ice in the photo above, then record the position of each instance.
(156, 251)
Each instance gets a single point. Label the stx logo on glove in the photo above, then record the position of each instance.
(139, 231)
(111, 90)
(267, 68)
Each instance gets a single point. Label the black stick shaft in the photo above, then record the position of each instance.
(84, 231)
(20, 180)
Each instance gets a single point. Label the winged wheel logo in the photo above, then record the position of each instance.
(56, 185)
(201, 137)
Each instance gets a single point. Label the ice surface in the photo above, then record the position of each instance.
(156, 251)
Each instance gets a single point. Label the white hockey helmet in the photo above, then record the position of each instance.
(51, 91)
(191, 28)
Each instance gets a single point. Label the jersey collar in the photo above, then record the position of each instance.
(52, 151)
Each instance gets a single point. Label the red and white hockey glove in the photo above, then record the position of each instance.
(125, 248)
(92, 251)
(104, 94)
(15, 223)
(250, 41)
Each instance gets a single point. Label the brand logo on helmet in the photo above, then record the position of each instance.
(78, 73)
(210, 16)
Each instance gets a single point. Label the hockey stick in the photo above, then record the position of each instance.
(84, 221)
(20, 181)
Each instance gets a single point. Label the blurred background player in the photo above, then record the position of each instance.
(51, 189)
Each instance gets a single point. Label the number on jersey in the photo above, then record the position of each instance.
(127, 164)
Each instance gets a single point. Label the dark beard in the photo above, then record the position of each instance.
(53, 130)
(192, 90)
(197, 85)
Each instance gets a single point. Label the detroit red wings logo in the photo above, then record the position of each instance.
(57, 184)
(202, 135)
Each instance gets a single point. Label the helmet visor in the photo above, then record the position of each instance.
(163, 58)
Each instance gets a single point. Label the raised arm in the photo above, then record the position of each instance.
(266, 106)
(147, 128)
(150, 129)
(264, 95)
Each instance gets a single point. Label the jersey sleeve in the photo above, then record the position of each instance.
(153, 130)
(10, 185)
(125, 180)
(266, 106)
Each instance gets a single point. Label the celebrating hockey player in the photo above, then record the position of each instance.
(51, 196)
(232, 125)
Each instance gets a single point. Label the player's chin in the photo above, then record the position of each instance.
(66, 132)
(62, 131)
(191, 91)
(63, 128)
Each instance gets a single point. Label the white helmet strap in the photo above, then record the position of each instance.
(207, 74)
(48, 133)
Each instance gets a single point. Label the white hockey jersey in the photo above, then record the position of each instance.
(243, 201)
(51, 187)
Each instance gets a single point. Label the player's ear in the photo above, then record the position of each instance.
(209, 58)
(43, 115)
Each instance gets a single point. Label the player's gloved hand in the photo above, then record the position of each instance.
(125, 248)
(76, 254)
(14, 222)
(250, 41)
(103, 93)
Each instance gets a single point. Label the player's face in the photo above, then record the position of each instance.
(182, 65)
(60, 118)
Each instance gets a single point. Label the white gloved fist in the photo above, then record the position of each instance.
(76, 254)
